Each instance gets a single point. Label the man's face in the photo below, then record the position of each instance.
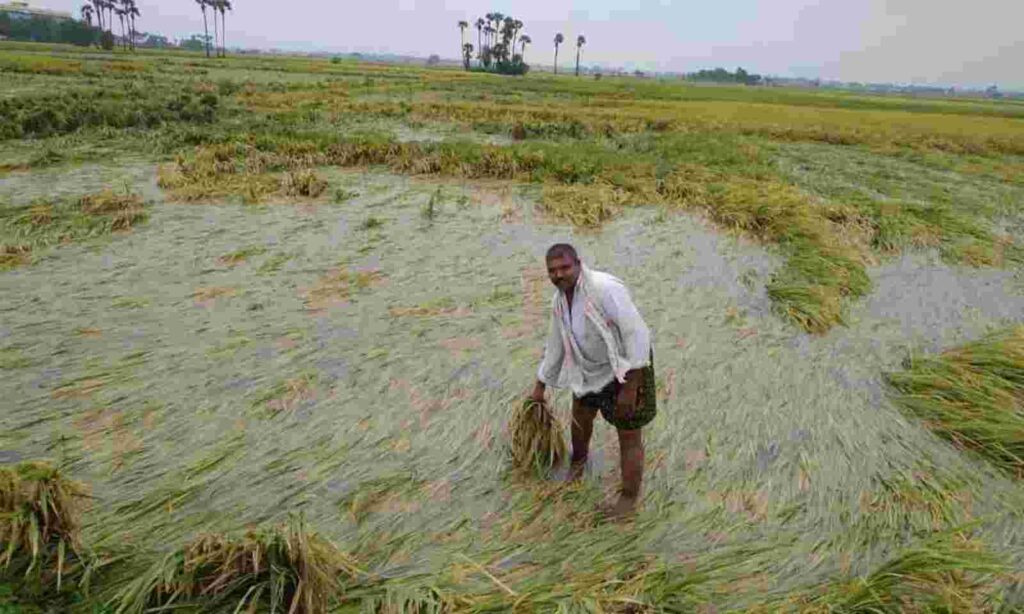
(563, 271)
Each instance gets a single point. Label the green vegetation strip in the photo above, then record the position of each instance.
(972, 395)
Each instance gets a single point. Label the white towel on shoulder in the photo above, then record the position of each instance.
(609, 339)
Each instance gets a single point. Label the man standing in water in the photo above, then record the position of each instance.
(599, 346)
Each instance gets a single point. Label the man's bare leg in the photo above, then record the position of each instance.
(582, 428)
(631, 459)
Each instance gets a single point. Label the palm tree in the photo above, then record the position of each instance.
(498, 17)
(110, 16)
(488, 39)
(467, 54)
(132, 11)
(479, 29)
(524, 40)
(97, 9)
(216, 33)
(559, 39)
(223, 5)
(120, 15)
(516, 27)
(87, 14)
(580, 41)
(462, 30)
(214, 9)
(206, 29)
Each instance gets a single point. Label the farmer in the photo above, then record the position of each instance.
(599, 346)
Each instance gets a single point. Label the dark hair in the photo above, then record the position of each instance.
(562, 249)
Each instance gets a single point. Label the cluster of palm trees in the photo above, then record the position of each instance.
(580, 41)
(502, 51)
(104, 11)
(497, 36)
(221, 6)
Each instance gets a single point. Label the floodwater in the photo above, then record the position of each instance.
(362, 344)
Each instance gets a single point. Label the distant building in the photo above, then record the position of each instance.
(19, 9)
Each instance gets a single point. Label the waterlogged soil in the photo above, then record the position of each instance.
(228, 364)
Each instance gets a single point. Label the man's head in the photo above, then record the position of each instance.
(563, 266)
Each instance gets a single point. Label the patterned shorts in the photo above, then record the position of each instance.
(646, 402)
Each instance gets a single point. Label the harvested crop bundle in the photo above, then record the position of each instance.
(537, 440)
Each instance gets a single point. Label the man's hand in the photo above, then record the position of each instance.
(538, 393)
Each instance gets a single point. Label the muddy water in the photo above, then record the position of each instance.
(193, 392)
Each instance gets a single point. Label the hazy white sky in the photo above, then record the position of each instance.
(908, 41)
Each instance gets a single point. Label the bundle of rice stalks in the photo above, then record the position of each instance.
(537, 441)
(39, 521)
(286, 568)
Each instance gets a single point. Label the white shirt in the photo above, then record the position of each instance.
(626, 323)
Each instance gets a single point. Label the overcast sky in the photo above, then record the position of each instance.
(949, 42)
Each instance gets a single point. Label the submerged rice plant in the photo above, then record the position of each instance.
(945, 573)
(972, 395)
(26, 229)
(281, 569)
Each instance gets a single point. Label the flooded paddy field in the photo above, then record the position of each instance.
(352, 355)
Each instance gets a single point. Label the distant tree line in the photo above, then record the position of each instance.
(498, 37)
(97, 27)
(721, 75)
(48, 30)
(104, 12)
(53, 29)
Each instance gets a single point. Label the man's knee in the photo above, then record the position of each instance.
(632, 437)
